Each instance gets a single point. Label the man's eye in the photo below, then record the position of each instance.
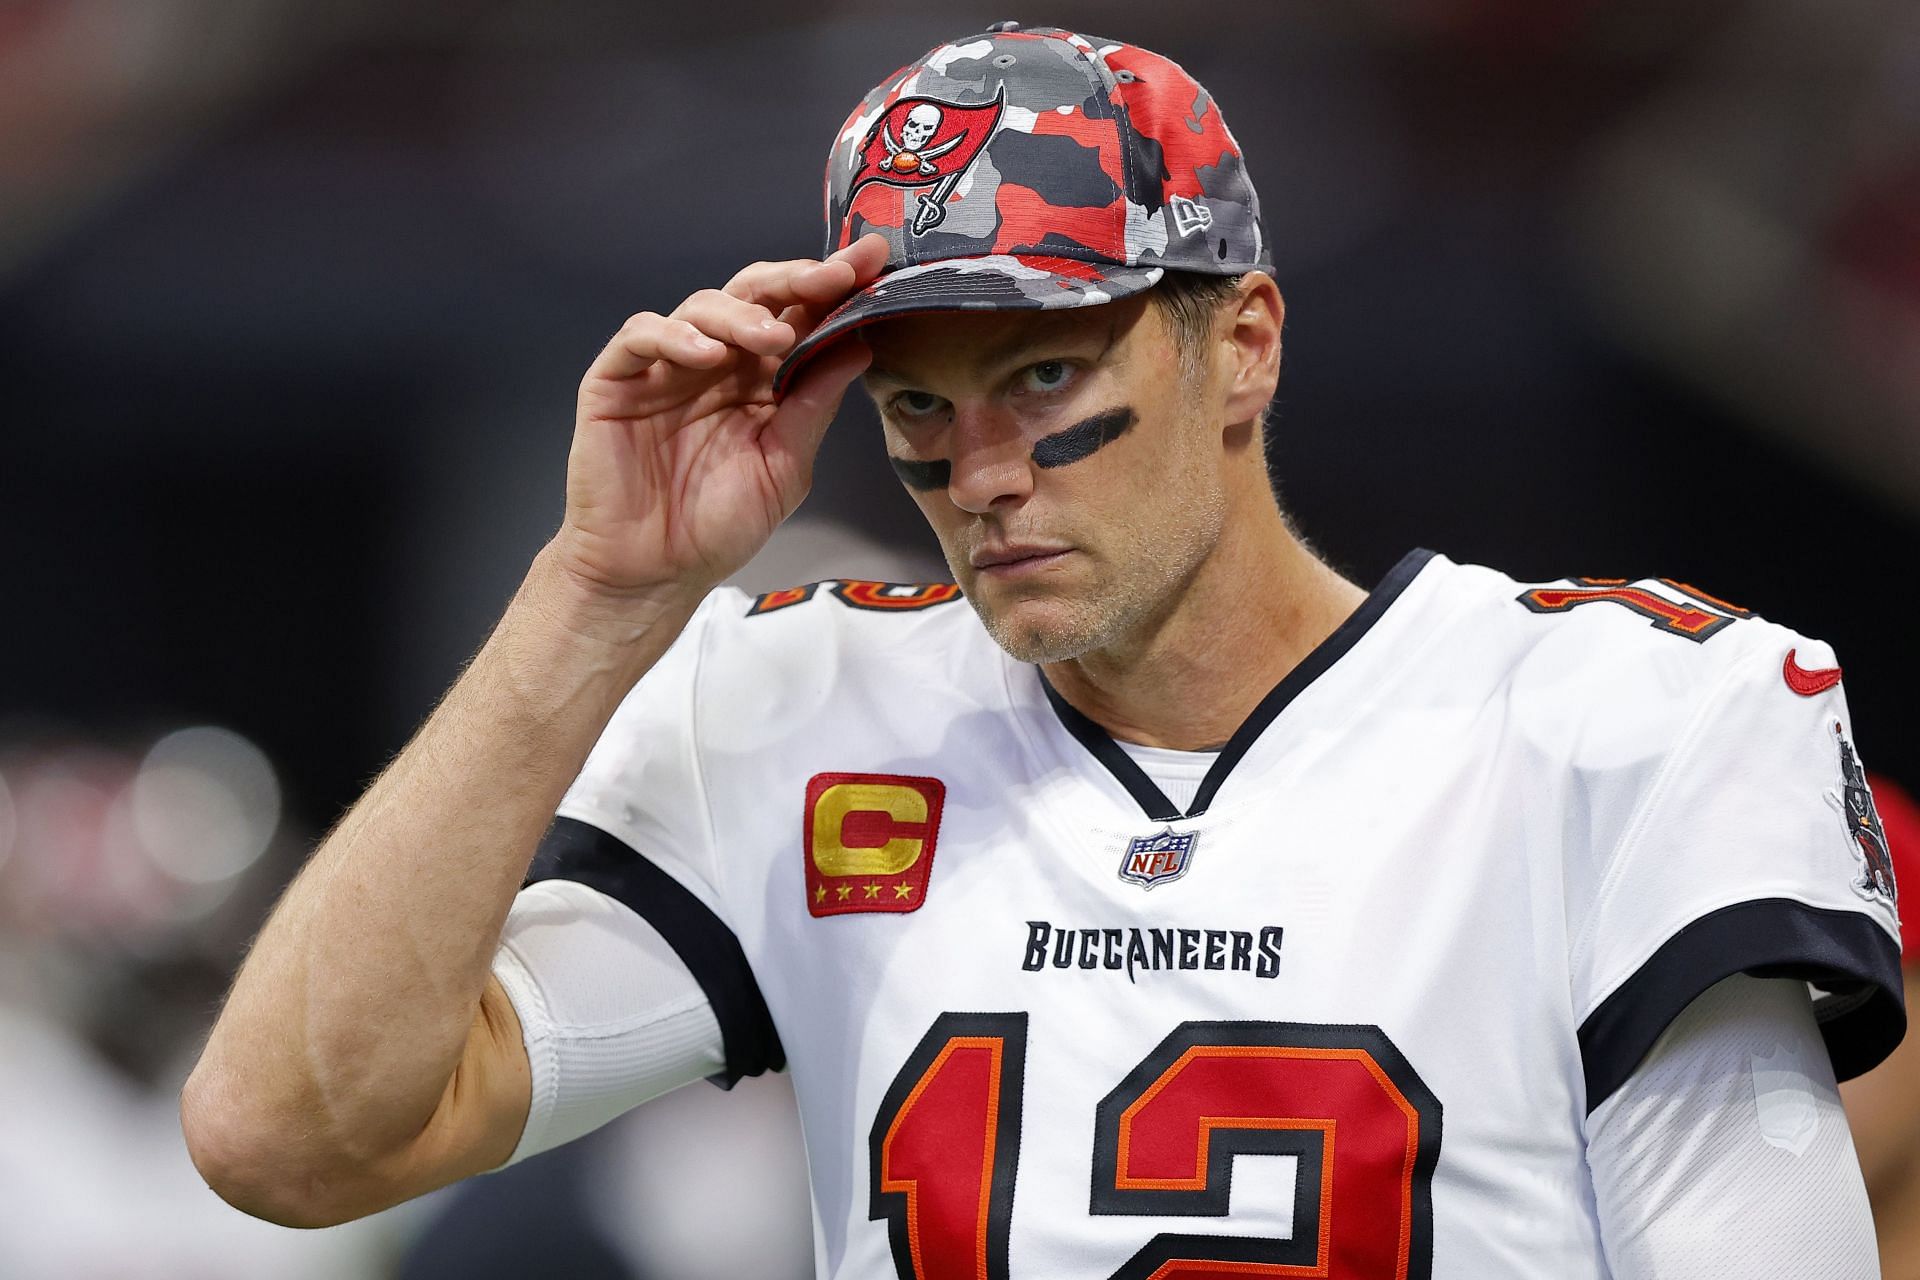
(916, 404)
(1048, 375)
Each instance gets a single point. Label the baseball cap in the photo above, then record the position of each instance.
(1032, 169)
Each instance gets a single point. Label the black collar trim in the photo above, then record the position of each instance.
(1329, 651)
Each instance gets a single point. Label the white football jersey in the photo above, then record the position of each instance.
(1344, 1014)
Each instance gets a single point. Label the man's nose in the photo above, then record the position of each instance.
(992, 466)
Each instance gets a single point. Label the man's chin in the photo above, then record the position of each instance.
(1040, 629)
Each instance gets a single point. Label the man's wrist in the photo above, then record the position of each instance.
(595, 631)
(599, 613)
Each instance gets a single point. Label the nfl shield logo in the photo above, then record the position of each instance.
(1156, 859)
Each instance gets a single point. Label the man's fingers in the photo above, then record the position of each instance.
(763, 311)
(811, 283)
(737, 322)
(867, 256)
(650, 337)
(774, 283)
(843, 274)
(779, 285)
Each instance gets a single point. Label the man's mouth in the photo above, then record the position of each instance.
(1016, 559)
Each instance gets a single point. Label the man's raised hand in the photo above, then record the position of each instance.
(683, 461)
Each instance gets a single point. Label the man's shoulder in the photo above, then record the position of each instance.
(842, 630)
(1609, 676)
(828, 671)
(1621, 666)
(1657, 634)
(846, 610)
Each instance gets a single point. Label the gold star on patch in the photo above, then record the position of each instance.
(903, 891)
(820, 894)
(873, 891)
(844, 891)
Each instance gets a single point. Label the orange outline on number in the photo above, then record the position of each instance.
(1209, 1123)
(910, 1187)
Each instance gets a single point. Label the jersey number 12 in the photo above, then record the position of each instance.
(945, 1144)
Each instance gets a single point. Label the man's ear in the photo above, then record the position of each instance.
(1250, 344)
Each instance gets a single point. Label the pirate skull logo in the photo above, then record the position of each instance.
(912, 154)
(920, 125)
(922, 142)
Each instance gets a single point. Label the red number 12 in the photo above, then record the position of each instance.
(945, 1143)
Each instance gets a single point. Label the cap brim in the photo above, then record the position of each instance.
(997, 282)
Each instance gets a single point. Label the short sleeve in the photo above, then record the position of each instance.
(1754, 848)
(636, 825)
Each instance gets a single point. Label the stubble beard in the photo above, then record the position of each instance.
(1114, 611)
(1077, 627)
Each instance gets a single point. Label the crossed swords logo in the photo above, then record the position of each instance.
(909, 157)
(912, 155)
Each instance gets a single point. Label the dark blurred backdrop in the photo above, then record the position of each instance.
(294, 296)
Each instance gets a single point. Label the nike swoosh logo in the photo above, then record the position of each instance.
(1807, 683)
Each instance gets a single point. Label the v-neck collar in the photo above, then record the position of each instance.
(1310, 668)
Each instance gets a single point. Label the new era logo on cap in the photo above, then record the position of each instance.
(1188, 217)
(1034, 168)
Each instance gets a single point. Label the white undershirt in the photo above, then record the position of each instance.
(1177, 773)
(1726, 1153)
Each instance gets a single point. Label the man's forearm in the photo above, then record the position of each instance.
(353, 1008)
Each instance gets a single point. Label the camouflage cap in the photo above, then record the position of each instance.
(1024, 169)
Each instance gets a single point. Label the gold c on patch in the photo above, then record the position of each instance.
(869, 841)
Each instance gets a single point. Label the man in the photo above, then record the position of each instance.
(1485, 911)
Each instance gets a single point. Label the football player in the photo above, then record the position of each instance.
(1166, 906)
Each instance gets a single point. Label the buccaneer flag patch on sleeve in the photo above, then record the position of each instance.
(1855, 802)
(869, 841)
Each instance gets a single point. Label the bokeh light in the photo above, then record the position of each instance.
(9, 821)
(205, 804)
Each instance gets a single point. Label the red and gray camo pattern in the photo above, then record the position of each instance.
(1025, 169)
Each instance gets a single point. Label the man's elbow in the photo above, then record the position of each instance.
(263, 1170)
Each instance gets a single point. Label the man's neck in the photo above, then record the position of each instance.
(1258, 606)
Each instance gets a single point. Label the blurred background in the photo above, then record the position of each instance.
(294, 297)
